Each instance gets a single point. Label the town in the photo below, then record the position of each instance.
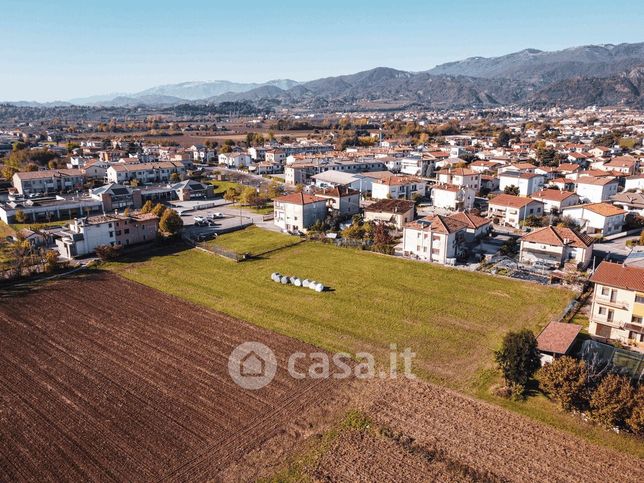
(388, 242)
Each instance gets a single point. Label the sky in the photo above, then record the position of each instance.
(64, 49)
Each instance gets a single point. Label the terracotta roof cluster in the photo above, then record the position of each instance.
(558, 236)
(399, 180)
(620, 276)
(48, 173)
(596, 180)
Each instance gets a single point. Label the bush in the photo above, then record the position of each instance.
(108, 252)
(518, 359)
(565, 382)
(20, 216)
(611, 402)
(635, 421)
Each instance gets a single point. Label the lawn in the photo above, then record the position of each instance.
(6, 230)
(38, 226)
(254, 240)
(452, 319)
(220, 187)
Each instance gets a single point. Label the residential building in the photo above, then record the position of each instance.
(526, 183)
(48, 181)
(554, 200)
(617, 311)
(398, 187)
(511, 210)
(145, 173)
(345, 201)
(629, 201)
(85, 234)
(463, 177)
(117, 197)
(553, 246)
(597, 218)
(395, 212)
(236, 160)
(298, 211)
(436, 238)
(476, 227)
(595, 190)
(452, 197)
(634, 182)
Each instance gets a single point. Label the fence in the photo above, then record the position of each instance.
(604, 358)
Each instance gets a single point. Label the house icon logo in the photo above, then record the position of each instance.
(252, 365)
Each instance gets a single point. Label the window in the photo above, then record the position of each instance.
(639, 299)
(637, 320)
(111, 234)
(605, 291)
(602, 310)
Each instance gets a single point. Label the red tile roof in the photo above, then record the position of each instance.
(511, 201)
(558, 236)
(299, 199)
(557, 337)
(617, 275)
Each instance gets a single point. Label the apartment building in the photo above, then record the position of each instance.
(48, 181)
(526, 183)
(145, 172)
(398, 187)
(617, 311)
(435, 238)
(453, 197)
(298, 211)
(512, 210)
(463, 177)
(595, 190)
(85, 234)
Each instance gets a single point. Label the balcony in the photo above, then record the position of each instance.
(603, 300)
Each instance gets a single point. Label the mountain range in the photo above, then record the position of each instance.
(579, 76)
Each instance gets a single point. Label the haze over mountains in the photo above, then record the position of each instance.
(579, 76)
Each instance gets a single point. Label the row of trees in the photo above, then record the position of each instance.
(170, 223)
(609, 399)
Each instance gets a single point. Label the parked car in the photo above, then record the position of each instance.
(214, 216)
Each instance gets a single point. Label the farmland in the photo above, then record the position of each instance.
(414, 431)
(105, 379)
(253, 240)
(452, 319)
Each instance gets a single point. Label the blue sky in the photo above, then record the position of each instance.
(61, 49)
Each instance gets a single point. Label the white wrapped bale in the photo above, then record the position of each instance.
(284, 280)
(297, 282)
(312, 285)
(319, 287)
(306, 283)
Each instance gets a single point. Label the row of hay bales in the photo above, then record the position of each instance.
(306, 283)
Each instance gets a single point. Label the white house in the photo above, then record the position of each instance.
(395, 212)
(634, 182)
(527, 183)
(464, 177)
(144, 172)
(512, 210)
(595, 190)
(235, 160)
(554, 200)
(552, 246)
(398, 187)
(437, 239)
(345, 201)
(452, 197)
(298, 211)
(597, 218)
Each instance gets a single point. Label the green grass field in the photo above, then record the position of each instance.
(452, 319)
(253, 240)
(38, 226)
(220, 187)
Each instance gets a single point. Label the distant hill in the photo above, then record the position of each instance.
(579, 76)
(538, 66)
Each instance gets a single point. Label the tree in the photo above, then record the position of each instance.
(248, 196)
(231, 194)
(158, 210)
(382, 239)
(20, 216)
(147, 207)
(51, 261)
(170, 223)
(275, 190)
(503, 139)
(518, 359)
(636, 420)
(511, 190)
(611, 401)
(175, 178)
(564, 380)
